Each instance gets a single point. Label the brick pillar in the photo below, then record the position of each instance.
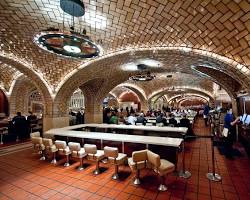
(144, 106)
(93, 111)
(50, 122)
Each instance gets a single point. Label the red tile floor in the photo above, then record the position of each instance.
(23, 176)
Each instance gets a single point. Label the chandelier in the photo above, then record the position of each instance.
(144, 75)
(70, 43)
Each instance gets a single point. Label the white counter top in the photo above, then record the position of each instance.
(165, 141)
(181, 130)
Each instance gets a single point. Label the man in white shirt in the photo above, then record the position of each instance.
(131, 119)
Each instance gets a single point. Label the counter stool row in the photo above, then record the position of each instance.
(89, 151)
(139, 160)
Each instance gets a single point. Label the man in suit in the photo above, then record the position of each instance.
(172, 120)
(20, 126)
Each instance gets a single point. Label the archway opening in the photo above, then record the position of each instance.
(76, 106)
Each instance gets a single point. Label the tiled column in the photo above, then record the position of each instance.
(50, 122)
(144, 106)
(93, 111)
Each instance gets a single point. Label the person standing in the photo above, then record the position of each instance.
(31, 121)
(20, 126)
(205, 114)
(230, 124)
(80, 116)
(141, 119)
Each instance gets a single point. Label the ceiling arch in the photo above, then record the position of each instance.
(192, 101)
(181, 97)
(202, 95)
(183, 58)
(111, 68)
(26, 69)
(135, 88)
(181, 90)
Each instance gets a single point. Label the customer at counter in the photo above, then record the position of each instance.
(113, 118)
(141, 119)
(230, 123)
(20, 126)
(131, 119)
(31, 120)
(161, 119)
(185, 122)
(172, 121)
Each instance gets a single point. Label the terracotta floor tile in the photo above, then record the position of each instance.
(163, 196)
(130, 189)
(231, 196)
(84, 195)
(217, 193)
(95, 197)
(93, 187)
(57, 196)
(139, 191)
(150, 194)
(217, 198)
(26, 177)
(103, 191)
(75, 193)
(204, 190)
(135, 197)
(113, 193)
(191, 196)
(123, 196)
(67, 190)
(203, 197)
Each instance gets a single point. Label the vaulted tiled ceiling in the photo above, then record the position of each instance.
(7, 75)
(218, 26)
(178, 83)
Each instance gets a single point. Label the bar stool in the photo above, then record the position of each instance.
(115, 158)
(64, 150)
(161, 167)
(95, 155)
(50, 147)
(38, 146)
(137, 162)
(77, 152)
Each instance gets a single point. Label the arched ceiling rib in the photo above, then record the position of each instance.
(8, 75)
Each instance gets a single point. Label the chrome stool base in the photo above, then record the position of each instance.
(80, 168)
(43, 158)
(66, 164)
(185, 174)
(96, 172)
(53, 161)
(115, 176)
(137, 181)
(214, 177)
(162, 187)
